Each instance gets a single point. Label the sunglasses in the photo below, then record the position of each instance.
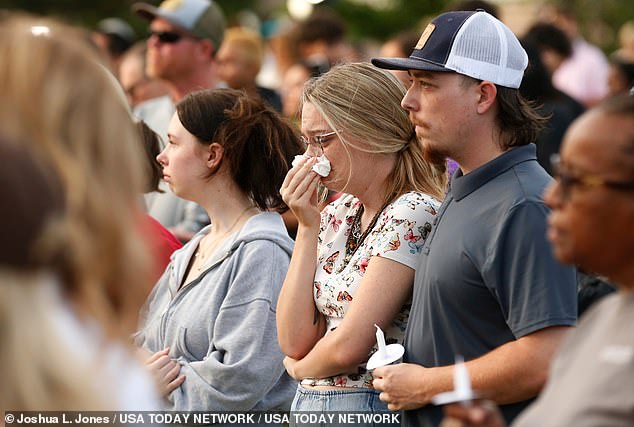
(169, 36)
(567, 181)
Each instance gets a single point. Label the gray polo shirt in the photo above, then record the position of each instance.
(487, 275)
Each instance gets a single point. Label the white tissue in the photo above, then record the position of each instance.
(298, 158)
(322, 167)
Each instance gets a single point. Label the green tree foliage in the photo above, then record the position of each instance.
(599, 20)
(379, 24)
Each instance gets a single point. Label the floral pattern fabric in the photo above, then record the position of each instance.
(399, 235)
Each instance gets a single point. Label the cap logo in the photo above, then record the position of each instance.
(171, 4)
(425, 36)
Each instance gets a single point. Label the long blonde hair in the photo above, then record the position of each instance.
(57, 97)
(59, 103)
(361, 101)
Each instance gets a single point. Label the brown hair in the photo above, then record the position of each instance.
(519, 122)
(151, 147)
(258, 143)
(36, 200)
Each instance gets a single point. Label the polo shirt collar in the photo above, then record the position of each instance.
(463, 185)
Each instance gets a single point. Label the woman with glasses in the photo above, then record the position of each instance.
(591, 379)
(353, 264)
(209, 323)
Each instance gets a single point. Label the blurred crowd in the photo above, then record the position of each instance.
(206, 219)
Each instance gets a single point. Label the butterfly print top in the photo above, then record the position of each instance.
(398, 234)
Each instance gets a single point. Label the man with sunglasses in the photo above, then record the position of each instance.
(488, 287)
(185, 36)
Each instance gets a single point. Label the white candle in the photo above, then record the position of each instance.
(380, 340)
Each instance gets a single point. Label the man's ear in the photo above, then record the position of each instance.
(215, 153)
(487, 95)
(206, 48)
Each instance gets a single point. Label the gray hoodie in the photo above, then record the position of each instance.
(221, 327)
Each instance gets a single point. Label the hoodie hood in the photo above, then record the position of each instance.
(262, 226)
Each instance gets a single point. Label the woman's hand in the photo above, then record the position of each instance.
(165, 371)
(289, 364)
(299, 192)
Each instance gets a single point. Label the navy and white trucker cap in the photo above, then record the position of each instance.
(471, 43)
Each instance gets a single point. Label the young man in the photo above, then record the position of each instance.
(488, 287)
(591, 381)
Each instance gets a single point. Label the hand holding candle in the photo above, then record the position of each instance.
(385, 354)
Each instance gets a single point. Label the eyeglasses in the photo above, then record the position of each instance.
(567, 181)
(169, 36)
(317, 140)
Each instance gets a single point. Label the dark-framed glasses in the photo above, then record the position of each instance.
(568, 180)
(169, 36)
(317, 140)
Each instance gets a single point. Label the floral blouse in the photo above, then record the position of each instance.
(398, 234)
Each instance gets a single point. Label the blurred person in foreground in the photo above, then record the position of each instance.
(38, 335)
(488, 287)
(181, 52)
(72, 247)
(209, 323)
(354, 261)
(591, 380)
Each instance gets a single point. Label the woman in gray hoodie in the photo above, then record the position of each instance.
(209, 324)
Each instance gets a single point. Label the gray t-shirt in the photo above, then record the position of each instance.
(487, 275)
(592, 377)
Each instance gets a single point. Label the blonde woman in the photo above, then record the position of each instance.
(353, 264)
(64, 313)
